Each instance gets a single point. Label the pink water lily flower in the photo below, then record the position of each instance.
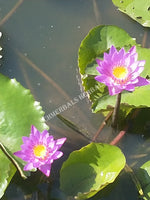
(120, 70)
(39, 150)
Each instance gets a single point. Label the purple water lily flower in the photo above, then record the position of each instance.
(120, 70)
(39, 150)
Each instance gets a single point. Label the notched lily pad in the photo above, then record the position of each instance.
(144, 178)
(136, 9)
(98, 41)
(18, 111)
(90, 169)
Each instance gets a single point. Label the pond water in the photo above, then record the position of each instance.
(40, 44)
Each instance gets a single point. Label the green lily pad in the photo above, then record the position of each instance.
(90, 169)
(144, 174)
(18, 111)
(98, 41)
(136, 9)
(144, 177)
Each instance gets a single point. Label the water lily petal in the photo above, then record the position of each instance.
(39, 150)
(120, 70)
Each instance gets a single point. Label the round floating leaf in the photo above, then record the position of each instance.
(18, 111)
(144, 173)
(147, 193)
(90, 169)
(136, 9)
(98, 41)
(144, 177)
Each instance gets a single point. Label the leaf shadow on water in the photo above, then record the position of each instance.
(139, 121)
(134, 120)
(118, 189)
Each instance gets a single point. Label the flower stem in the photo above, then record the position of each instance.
(116, 111)
(119, 136)
(13, 160)
(102, 126)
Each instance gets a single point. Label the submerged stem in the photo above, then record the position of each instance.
(116, 111)
(11, 12)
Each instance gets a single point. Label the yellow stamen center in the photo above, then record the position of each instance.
(39, 151)
(120, 72)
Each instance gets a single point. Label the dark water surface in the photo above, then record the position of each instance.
(45, 35)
